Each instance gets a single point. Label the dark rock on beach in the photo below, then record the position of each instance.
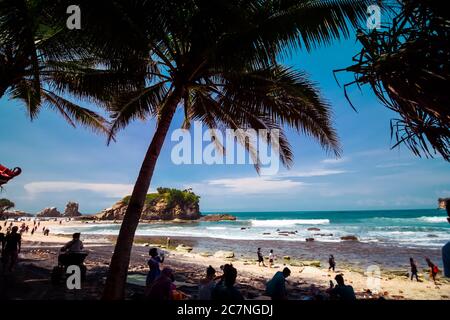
(349, 238)
(218, 217)
(49, 213)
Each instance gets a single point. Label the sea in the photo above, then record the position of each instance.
(419, 228)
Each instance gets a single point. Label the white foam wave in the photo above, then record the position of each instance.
(438, 219)
(287, 222)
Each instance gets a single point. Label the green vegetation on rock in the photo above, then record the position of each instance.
(5, 204)
(170, 195)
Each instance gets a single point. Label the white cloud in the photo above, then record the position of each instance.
(110, 190)
(316, 173)
(393, 165)
(256, 185)
(335, 161)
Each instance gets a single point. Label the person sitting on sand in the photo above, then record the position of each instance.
(207, 284)
(13, 243)
(331, 262)
(225, 290)
(433, 269)
(271, 258)
(73, 246)
(162, 287)
(260, 258)
(413, 269)
(341, 291)
(153, 264)
(276, 287)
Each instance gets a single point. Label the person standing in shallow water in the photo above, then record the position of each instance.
(413, 269)
(332, 263)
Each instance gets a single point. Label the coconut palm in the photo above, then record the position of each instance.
(38, 56)
(219, 62)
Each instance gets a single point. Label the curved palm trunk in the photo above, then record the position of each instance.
(118, 269)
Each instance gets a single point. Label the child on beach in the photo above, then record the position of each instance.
(413, 269)
(260, 258)
(271, 258)
(433, 269)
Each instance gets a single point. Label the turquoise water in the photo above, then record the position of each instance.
(411, 228)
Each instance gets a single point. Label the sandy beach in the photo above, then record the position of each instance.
(41, 251)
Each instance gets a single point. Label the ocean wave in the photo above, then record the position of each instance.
(438, 219)
(406, 221)
(287, 222)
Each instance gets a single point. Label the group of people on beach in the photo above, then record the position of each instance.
(160, 283)
(261, 258)
(433, 271)
(25, 228)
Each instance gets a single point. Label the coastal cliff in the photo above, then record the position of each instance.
(166, 204)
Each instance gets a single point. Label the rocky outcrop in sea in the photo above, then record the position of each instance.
(72, 210)
(51, 212)
(167, 204)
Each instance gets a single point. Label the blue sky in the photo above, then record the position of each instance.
(64, 164)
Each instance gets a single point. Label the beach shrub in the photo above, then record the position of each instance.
(6, 204)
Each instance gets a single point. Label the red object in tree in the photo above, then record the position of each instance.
(7, 174)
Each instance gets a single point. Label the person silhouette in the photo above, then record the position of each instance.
(446, 247)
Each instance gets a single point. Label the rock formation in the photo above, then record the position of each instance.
(49, 213)
(349, 238)
(167, 204)
(224, 254)
(14, 214)
(218, 217)
(71, 210)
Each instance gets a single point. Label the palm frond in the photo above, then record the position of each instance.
(137, 104)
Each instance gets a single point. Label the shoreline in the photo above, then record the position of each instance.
(190, 266)
(352, 254)
(41, 251)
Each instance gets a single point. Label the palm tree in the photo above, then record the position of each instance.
(406, 65)
(218, 60)
(40, 59)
